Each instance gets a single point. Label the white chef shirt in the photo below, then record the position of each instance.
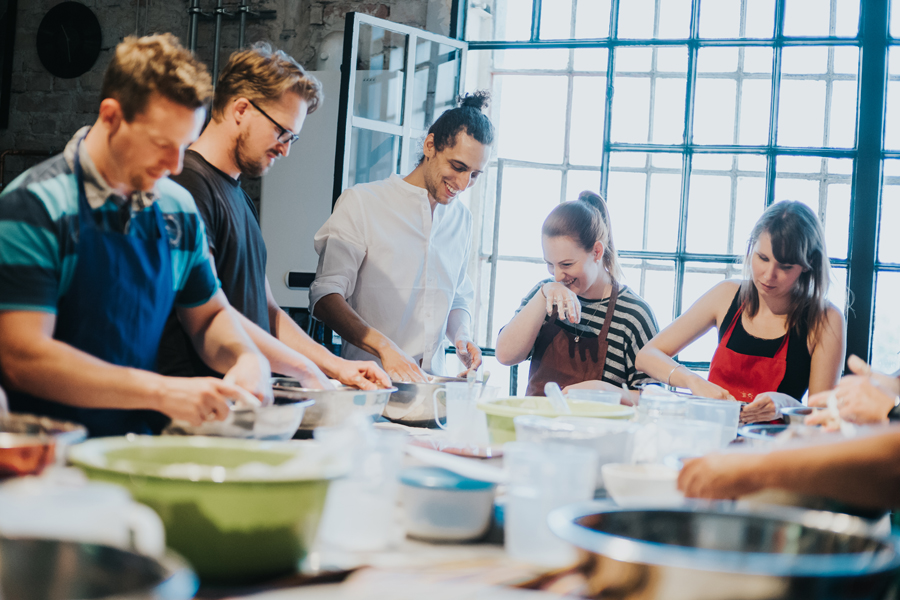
(399, 268)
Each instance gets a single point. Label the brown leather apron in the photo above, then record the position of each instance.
(565, 358)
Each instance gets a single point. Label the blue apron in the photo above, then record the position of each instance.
(115, 309)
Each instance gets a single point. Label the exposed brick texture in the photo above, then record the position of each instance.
(46, 111)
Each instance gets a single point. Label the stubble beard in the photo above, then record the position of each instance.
(247, 166)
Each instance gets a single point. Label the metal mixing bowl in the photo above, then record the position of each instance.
(411, 404)
(719, 552)
(332, 406)
(39, 569)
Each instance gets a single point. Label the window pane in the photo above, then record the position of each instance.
(637, 17)
(436, 82)
(837, 291)
(720, 18)
(699, 278)
(726, 198)
(556, 24)
(645, 200)
(499, 20)
(588, 107)
(801, 113)
(847, 18)
(892, 102)
(895, 18)
(578, 181)
(528, 197)
(654, 281)
(373, 156)
(514, 281)
(592, 19)
(888, 240)
(807, 17)
(532, 59)
(823, 185)
(591, 59)
(886, 334)
(520, 135)
(381, 65)
(649, 106)
(760, 20)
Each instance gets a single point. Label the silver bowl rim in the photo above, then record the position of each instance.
(562, 523)
(343, 389)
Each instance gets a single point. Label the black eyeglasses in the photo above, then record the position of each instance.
(285, 135)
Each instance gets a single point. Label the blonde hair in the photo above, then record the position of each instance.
(586, 221)
(262, 74)
(152, 64)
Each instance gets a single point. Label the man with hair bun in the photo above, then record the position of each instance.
(391, 279)
(98, 245)
(261, 101)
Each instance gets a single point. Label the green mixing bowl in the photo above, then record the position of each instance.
(501, 411)
(237, 510)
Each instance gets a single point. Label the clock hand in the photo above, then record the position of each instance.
(68, 42)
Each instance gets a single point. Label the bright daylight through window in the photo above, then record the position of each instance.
(720, 108)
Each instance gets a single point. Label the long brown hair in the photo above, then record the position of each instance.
(586, 221)
(797, 239)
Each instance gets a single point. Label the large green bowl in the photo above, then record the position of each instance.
(238, 510)
(501, 412)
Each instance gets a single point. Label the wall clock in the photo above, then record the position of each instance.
(68, 40)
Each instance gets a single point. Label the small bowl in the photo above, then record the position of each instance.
(440, 505)
(642, 485)
(64, 433)
(798, 414)
(25, 454)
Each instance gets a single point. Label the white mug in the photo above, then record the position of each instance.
(79, 511)
(463, 417)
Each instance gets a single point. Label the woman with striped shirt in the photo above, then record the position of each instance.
(582, 328)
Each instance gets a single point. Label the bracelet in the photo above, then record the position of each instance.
(675, 368)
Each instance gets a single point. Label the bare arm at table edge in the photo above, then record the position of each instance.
(516, 339)
(35, 363)
(655, 358)
(864, 472)
(335, 312)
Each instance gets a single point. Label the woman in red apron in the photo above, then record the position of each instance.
(779, 336)
(582, 328)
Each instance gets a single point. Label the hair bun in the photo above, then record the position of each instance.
(479, 100)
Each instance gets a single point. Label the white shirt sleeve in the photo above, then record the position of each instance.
(465, 292)
(341, 246)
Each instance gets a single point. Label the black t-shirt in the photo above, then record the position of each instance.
(235, 243)
(799, 361)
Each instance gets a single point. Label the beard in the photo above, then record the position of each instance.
(248, 166)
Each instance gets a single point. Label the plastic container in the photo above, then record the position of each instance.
(656, 405)
(726, 413)
(680, 437)
(543, 477)
(642, 485)
(613, 440)
(595, 396)
(501, 412)
(440, 505)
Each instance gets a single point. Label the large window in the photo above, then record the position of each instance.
(690, 116)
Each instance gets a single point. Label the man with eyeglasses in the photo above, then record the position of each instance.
(261, 100)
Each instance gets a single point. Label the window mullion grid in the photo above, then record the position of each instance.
(778, 44)
(687, 157)
(610, 90)
(535, 20)
(495, 251)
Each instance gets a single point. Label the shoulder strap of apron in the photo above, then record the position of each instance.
(607, 321)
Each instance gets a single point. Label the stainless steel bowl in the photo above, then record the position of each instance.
(411, 404)
(719, 552)
(797, 414)
(36, 569)
(332, 406)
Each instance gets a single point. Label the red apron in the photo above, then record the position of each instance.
(746, 376)
(566, 358)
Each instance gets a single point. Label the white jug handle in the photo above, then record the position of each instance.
(148, 535)
(437, 418)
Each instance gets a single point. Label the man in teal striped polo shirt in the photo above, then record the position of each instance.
(96, 247)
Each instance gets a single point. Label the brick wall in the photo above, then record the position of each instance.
(45, 111)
